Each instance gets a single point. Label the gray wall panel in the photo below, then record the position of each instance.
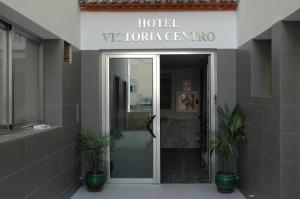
(262, 130)
(290, 110)
(38, 163)
(226, 87)
(91, 91)
(90, 95)
(280, 122)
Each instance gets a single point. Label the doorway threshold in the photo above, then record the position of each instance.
(150, 191)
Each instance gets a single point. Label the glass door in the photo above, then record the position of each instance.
(132, 118)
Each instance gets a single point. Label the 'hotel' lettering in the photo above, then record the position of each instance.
(157, 23)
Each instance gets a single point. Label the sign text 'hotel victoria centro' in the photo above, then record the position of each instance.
(150, 32)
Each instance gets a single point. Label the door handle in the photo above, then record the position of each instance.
(149, 129)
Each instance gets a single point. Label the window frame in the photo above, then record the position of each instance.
(5, 28)
(10, 80)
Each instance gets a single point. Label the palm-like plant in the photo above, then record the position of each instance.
(93, 147)
(227, 142)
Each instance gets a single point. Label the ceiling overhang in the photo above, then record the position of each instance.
(158, 5)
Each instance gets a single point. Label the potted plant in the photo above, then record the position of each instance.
(93, 147)
(203, 141)
(226, 144)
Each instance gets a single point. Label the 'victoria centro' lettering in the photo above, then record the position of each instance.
(152, 36)
(157, 36)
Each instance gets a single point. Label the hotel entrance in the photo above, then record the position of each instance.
(184, 119)
(142, 111)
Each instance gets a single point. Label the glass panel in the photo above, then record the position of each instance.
(131, 90)
(3, 80)
(25, 80)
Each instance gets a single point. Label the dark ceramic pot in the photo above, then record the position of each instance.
(225, 182)
(95, 181)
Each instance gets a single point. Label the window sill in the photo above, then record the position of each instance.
(24, 133)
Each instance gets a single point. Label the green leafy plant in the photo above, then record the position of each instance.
(203, 141)
(227, 142)
(93, 147)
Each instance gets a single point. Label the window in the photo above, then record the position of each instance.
(20, 80)
(25, 80)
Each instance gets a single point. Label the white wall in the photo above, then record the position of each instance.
(93, 24)
(60, 17)
(256, 16)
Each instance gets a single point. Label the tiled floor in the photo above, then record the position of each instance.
(163, 191)
(182, 166)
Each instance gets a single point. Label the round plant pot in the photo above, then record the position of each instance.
(95, 181)
(225, 182)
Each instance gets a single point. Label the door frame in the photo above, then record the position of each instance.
(156, 111)
(105, 55)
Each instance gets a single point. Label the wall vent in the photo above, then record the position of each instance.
(67, 53)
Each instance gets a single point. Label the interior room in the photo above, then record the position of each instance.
(183, 102)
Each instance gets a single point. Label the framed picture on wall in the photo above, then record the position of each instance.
(187, 101)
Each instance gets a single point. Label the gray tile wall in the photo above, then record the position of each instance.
(259, 165)
(289, 75)
(91, 90)
(90, 95)
(226, 76)
(37, 168)
(226, 86)
(53, 81)
(47, 164)
(71, 123)
(269, 166)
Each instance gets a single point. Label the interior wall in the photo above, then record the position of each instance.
(178, 75)
(118, 74)
(181, 129)
(119, 68)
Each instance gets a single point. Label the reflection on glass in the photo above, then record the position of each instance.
(26, 79)
(140, 72)
(131, 90)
